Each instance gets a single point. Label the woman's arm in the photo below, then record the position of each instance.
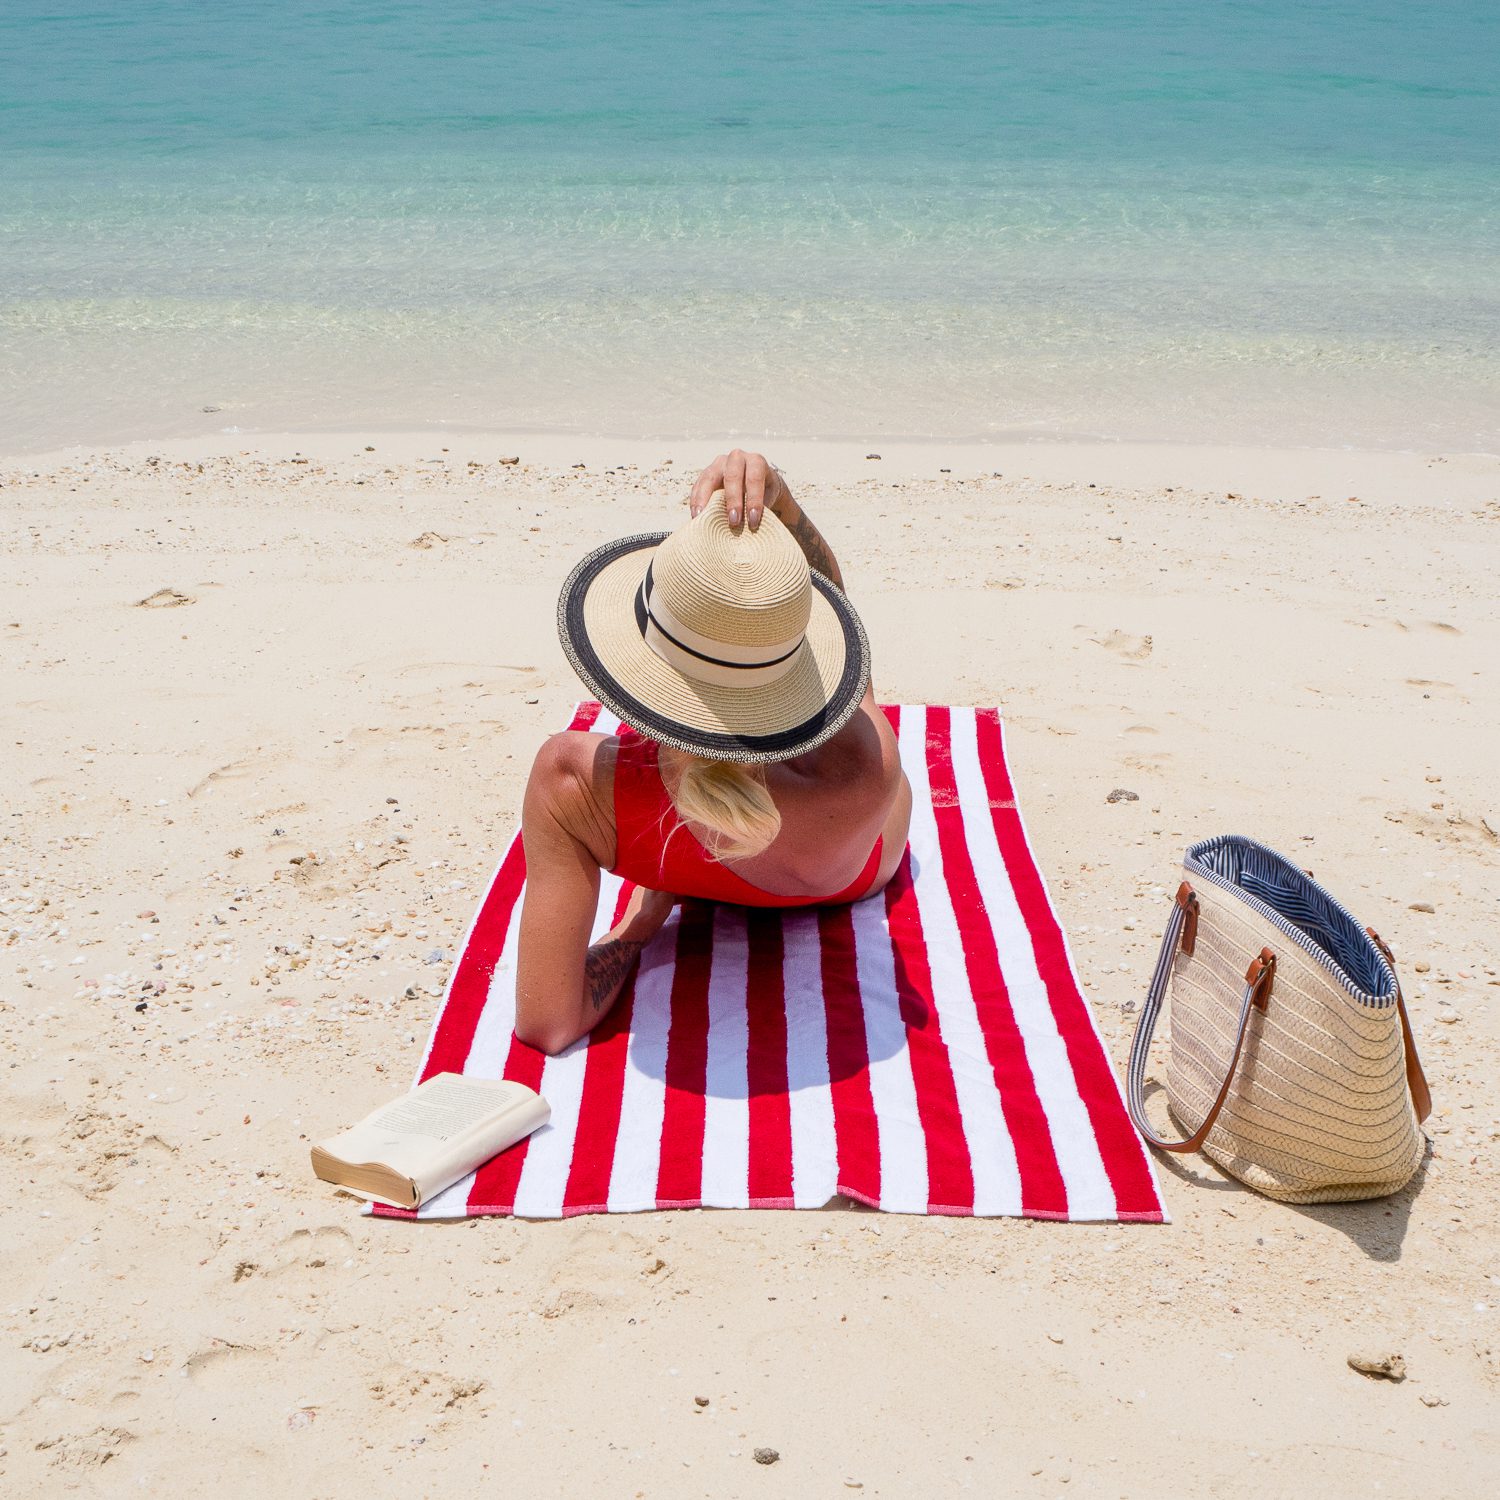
(564, 987)
(751, 485)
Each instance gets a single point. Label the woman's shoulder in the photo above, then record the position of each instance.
(861, 759)
(577, 762)
(573, 777)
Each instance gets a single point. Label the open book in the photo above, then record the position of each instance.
(415, 1146)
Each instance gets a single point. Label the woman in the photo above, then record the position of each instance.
(755, 767)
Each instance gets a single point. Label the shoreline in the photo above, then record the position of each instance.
(1381, 476)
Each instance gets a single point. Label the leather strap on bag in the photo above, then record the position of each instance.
(1416, 1079)
(1259, 977)
(1183, 927)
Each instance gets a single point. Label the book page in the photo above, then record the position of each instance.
(441, 1109)
(443, 1129)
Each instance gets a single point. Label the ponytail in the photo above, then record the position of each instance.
(731, 801)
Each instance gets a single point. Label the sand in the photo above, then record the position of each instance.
(247, 821)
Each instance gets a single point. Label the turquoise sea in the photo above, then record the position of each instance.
(1269, 221)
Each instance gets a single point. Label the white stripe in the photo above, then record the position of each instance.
(992, 1155)
(903, 1143)
(637, 1156)
(637, 1161)
(605, 723)
(544, 1173)
(497, 1019)
(1088, 1010)
(726, 1115)
(1084, 1176)
(815, 1165)
(488, 1047)
(451, 1203)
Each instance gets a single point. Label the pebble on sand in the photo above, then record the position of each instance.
(1120, 794)
(766, 1456)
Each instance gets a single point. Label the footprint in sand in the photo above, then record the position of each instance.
(313, 1249)
(87, 1450)
(1431, 688)
(404, 1389)
(233, 770)
(434, 685)
(601, 1256)
(222, 1363)
(1124, 645)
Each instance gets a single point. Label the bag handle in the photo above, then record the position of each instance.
(1259, 978)
(1183, 927)
(1416, 1079)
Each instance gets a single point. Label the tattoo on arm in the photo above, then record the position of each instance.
(814, 548)
(607, 967)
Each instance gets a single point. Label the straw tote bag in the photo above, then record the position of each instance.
(1292, 1061)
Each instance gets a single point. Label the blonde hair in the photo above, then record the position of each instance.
(731, 801)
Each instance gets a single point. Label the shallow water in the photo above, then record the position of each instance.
(1247, 223)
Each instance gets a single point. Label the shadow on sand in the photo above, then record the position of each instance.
(1376, 1225)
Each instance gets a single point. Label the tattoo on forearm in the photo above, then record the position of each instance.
(606, 968)
(814, 548)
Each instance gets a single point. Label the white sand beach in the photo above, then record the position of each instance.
(246, 825)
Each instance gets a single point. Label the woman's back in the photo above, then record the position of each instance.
(758, 768)
(841, 809)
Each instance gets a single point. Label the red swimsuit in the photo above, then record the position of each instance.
(650, 851)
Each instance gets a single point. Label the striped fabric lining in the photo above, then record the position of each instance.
(1318, 922)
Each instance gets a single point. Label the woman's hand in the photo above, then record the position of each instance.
(750, 486)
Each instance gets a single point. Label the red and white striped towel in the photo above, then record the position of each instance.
(926, 1051)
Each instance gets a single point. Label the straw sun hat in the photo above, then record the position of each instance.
(716, 639)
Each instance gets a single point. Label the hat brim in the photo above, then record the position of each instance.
(597, 619)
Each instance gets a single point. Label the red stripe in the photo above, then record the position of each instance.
(494, 1186)
(1124, 1159)
(464, 1002)
(770, 1104)
(770, 1184)
(476, 967)
(1042, 1190)
(854, 1127)
(950, 1177)
(679, 1181)
(599, 1104)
